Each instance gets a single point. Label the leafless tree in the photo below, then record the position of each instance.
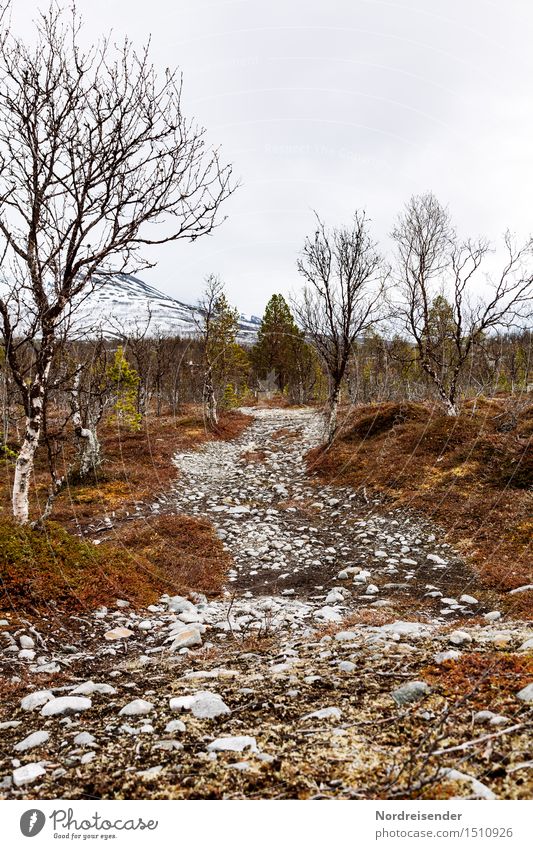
(96, 161)
(342, 297)
(436, 275)
(207, 311)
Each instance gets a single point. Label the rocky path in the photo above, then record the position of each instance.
(348, 658)
(290, 536)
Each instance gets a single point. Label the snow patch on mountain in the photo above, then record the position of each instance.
(125, 304)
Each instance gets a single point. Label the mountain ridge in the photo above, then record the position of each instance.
(124, 303)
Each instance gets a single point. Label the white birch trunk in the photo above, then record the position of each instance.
(210, 401)
(90, 454)
(26, 456)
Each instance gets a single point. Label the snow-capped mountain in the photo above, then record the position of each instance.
(123, 303)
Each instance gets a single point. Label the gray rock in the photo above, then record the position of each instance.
(411, 692)
(526, 694)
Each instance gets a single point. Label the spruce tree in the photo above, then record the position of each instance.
(278, 342)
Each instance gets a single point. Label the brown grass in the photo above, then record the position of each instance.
(492, 678)
(469, 474)
(137, 466)
(141, 559)
(166, 554)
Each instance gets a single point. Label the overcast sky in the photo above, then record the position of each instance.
(335, 105)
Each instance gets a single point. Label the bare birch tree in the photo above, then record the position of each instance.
(437, 277)
(208, 310)
(96, 161)
(342, 297)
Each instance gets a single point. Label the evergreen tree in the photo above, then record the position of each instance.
(125, 382)
(279, 343)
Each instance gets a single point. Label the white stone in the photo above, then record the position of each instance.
(36, 699)
(84, 739)
(459, 638)
(233, 744)
(138, 707)
(32, 740)
(26, 642)
(324, 713)
(65, 705)
(89, 687)
(203, 705)
(468, 599)
(27, 773)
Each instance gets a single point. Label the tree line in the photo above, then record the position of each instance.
(97, 161)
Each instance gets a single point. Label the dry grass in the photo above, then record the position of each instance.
(167, 554)
(470, 474)
(137, 466)
(141, 559)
